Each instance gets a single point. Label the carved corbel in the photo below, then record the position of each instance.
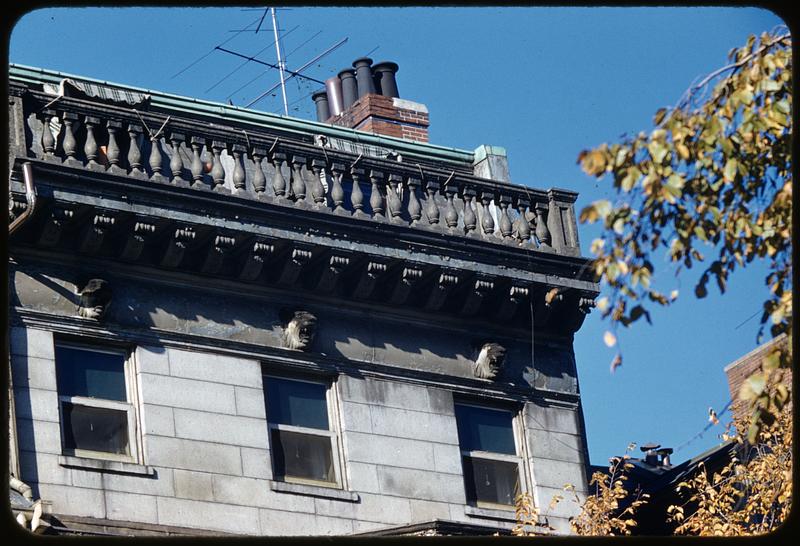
(216, 254)
(137, 238)
(300, 330)
(408, 279)
(92, 237)
(331, 272)
(448, 279)
(490, 361)
(60, 217)
(510, 303)
(95, 298)
(475, 296)
(176, 246)
(368, 278)
(297, 259)
(258, 255)
(576, 313)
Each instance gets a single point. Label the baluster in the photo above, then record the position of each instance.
(317, 189)
(48, 141)
(112, 152)
(505, 221)
(134, 151)
(451, 214)
(393, 202)
(357, 196)
(155, 159)
(523, 227)
(298, 185)
(542, 233)
(470, 220)
(414, 208)
(239, 177)
(376, 200)
(217, 170)
(431, 208)
(175, 162)
(278, 182)
(70, 143)
(197, 164)
(487, 222)
(336, 191)
(259, 180)
(90, 146)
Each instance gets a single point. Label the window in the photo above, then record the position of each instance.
(95, 402)
(304, 442)
(491, 464)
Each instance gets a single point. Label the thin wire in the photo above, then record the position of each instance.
(212, 50)
(301, 45)
(232, 72)
(705, 429)
(749, 318)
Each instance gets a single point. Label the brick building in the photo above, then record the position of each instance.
(224, 321)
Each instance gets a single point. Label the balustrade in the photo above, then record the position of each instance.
(402, 194)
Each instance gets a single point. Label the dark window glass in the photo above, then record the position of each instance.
(482, 429)
(488, 481)
(303, 456)
(297, 403)
(95, 429)
(90, 373)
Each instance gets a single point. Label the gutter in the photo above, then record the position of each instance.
(30, 198)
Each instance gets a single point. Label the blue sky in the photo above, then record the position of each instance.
(544, 83)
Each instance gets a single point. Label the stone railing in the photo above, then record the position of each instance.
(258, 163)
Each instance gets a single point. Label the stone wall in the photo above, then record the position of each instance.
(204, 435)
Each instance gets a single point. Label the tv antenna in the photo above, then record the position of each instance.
(284, 73)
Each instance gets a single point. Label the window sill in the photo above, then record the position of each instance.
(103, 465)
(490, 513)
(314, 491)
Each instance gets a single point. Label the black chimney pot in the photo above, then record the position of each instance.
(366, 85)
(349, 87)
(321, 100)
(385, 74)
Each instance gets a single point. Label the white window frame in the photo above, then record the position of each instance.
(519, 458)
(332, 433)
(130, 407)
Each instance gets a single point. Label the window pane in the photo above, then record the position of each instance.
(95, 429)
(90, 373)
(303, 456)
(487, 481)
(297, 403)
(485, 429)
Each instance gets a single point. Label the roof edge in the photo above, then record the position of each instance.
(158, 98)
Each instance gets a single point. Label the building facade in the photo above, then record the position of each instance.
(226, 321)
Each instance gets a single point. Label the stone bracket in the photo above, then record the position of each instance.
(369, 276)
(176, 246)
(259, 253)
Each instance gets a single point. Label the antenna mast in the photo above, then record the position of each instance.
(281, 63)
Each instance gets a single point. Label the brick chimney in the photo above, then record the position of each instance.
(378, 109)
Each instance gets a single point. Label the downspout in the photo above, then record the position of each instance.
(30, 197)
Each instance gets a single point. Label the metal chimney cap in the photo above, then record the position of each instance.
(386, 65)
(318, 93)
(665, 451)
(350, 71)
(650, 447)
(362, 61)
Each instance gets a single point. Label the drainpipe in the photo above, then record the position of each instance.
(30, 197)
